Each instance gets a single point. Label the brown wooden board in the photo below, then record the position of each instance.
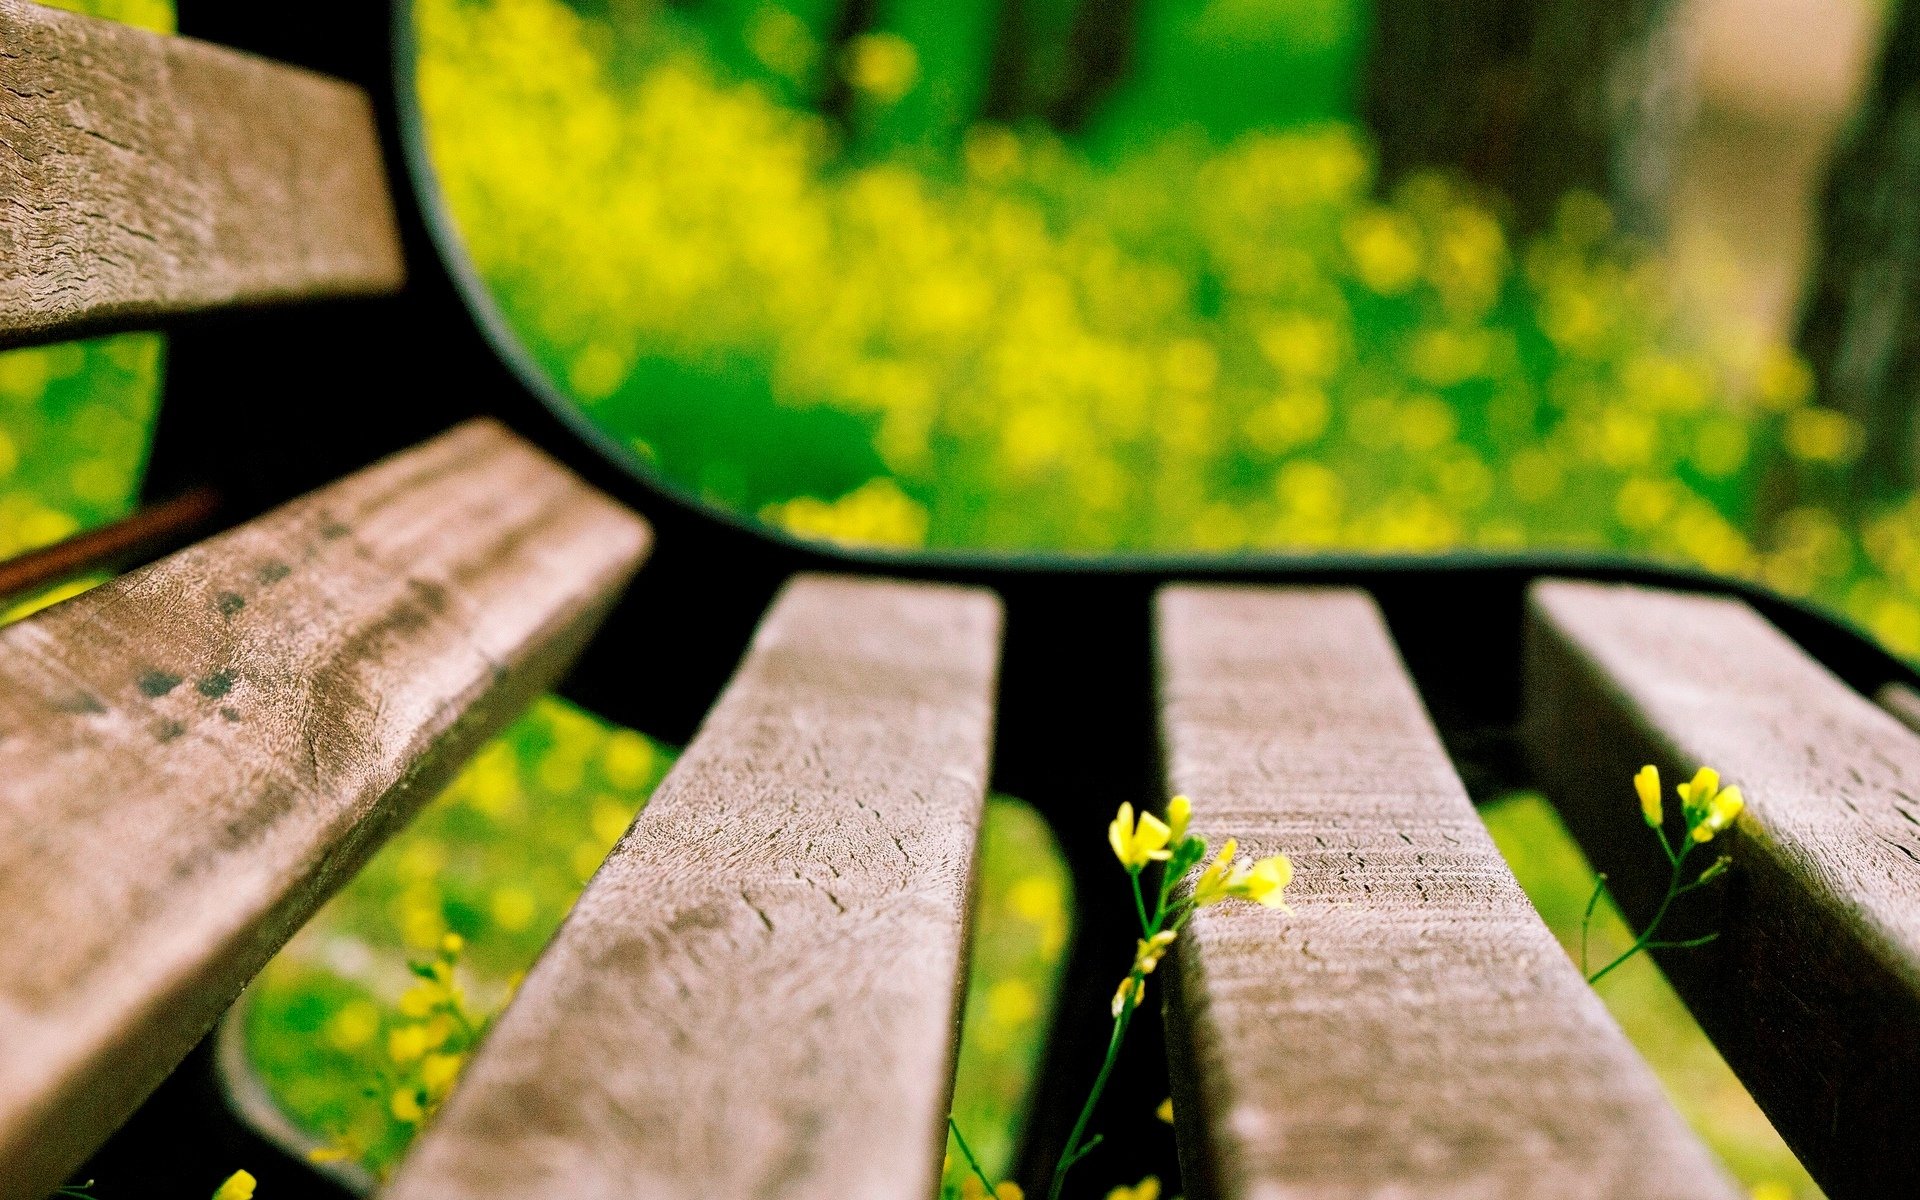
(194, 755)
(144, 176)
(1813, 990)
(758, 995)
(1412, 1028)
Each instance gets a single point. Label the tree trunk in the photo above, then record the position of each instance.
(1533, 98)
(1861, 327)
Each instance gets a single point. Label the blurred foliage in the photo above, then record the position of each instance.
(75, 420)
(156, 15)
(1218, 339)
(497, 859)
(1022, 914)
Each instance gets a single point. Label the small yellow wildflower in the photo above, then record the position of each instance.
(353, 1026)
(1721, 810)
(238, 1186)
(1709, 807)
(1695, 794)
(1264, 883)
(970, 1189)
(1146, 1189)
(404, 1104)
(422, 998)
(408, 1043)
(1165, 1111)
(1647, 783)
(883, 65)
(1132, 988)
(1136, 845)
(1149, 951)
(438, 1071)
(1179, 814)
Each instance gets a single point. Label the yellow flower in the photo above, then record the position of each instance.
(1264, 883)
(1647, 783)
(438, 1071)
(1211, 887)
(1165, 1111)
(1709, 808)
(408, 1042)
(1137, 845)
(404, 1104)
(1696, 794)
(239, 1186)
(1721, 810)
(1132, 988)
(970, 1189)
(1179, 814)
(353, 1026)
(423, 998)
(883, 65)
(1149, 951)
(1146, 1189)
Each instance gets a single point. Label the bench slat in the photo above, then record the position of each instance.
(758, 993)
(1813, 991)
(1412, 1028)
(143, 177)
(194, 755)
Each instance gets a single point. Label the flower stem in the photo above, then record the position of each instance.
(966, 1152)
(1070, 1154)
(1586, 921)
(1674, 890)
(1139, 903)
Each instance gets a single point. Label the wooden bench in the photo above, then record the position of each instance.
(758, 994)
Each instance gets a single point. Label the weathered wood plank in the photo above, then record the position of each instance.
(1812, 992)
(1412, 1028)
(144, 176)
(758, 993)
(196, 754)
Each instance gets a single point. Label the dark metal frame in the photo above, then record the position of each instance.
(263, 405)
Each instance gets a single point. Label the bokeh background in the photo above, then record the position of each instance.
(1053, 274)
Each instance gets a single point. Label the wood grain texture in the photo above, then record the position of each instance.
(1412, 1028)
(194, 755)
(144, 176)
(758, 995)
(1813, 991)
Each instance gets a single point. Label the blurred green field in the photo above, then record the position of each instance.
(810, 283)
